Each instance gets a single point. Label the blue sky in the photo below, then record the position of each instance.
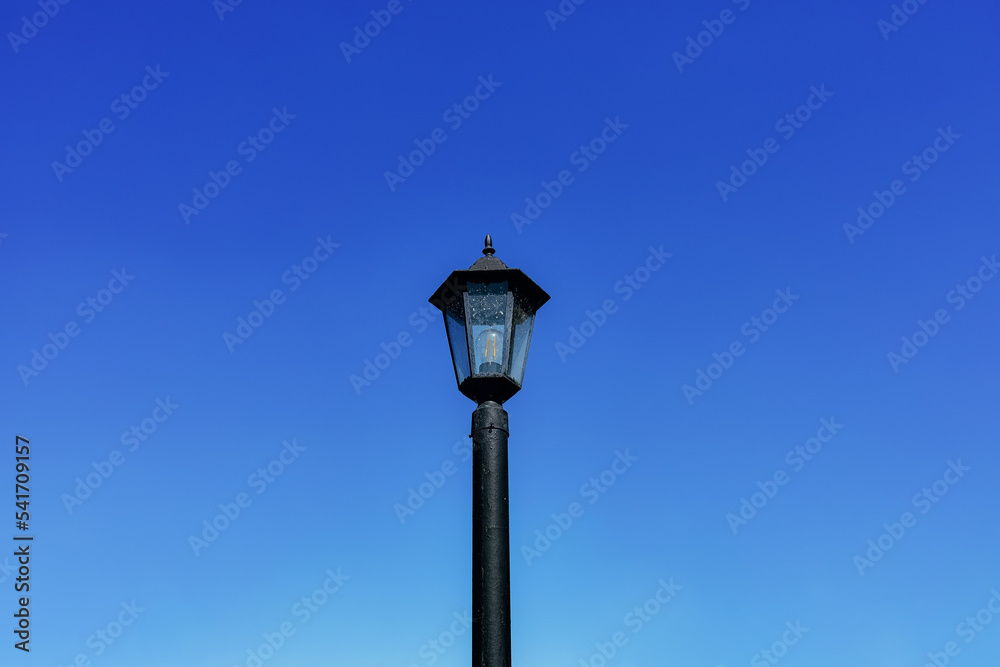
(769, 235)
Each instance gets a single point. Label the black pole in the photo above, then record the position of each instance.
(490, 538)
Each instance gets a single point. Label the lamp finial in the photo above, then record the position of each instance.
(488, 250)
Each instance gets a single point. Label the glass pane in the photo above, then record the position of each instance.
(521, 324)
(454, 320)
(487, 304)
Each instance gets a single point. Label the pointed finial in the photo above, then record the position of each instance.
(488, 250)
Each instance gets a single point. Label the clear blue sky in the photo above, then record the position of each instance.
(215, 215)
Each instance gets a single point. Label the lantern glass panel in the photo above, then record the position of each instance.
(454, 320)
(521, 323)
(486, 305)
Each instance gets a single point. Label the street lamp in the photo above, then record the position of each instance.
(489, 311)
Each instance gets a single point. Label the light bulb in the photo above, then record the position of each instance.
(489, 351)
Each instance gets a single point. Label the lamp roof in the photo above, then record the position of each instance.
(491, 269)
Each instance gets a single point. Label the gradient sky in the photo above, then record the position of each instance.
(631, 148)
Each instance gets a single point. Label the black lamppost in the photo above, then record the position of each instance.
(488, 312)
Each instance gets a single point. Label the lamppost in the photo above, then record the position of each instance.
(489, 311)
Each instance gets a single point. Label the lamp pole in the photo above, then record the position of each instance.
(489, 313)
(490, 538)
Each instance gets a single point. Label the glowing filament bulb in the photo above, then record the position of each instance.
(489, 351)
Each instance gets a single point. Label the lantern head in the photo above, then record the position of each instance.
(489, 310)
